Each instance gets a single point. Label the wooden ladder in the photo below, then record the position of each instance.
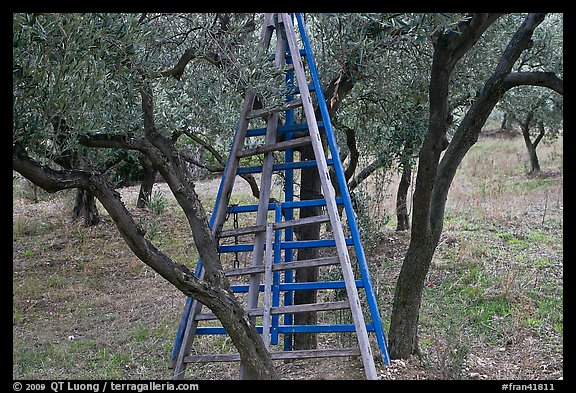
(266, 261)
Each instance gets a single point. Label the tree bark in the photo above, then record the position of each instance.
(148, 180)
(402, 216)
(85, 207)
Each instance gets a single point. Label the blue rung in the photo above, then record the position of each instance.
(282, 129)
(282, 167)
(301, 51)
(285, 205)
(301, 286)
(286, 245)
(296, 90)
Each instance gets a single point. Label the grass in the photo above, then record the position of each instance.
(85, 307)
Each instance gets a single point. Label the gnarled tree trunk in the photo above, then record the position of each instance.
(85, 207)
(402, 216)
(148, 180)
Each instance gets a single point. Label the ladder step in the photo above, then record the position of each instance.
(301, 221)
(276, 225)
(302, 52)
(334, 328)
(274, 147)
(268, 111)
(299, 354)
(311, 89)
(302, 286)
(327, 261)
(282, 129)
(286, 245)
(283, 205)
(242, 231)
(282, 167)
(258, 312)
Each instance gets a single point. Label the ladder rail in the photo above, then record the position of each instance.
(361, 256)
(329, 195)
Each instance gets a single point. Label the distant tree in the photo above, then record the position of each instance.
(538, 112)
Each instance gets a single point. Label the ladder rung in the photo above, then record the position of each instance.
(286, 245)
(242, 231)
(334, 328)
(283, 167)
(302, 286)
(296, 90)
(274, 147)
(284, 205)
(292, 309)
(301, 221)
(299, 354)
(297, 308)
(282, 129)
(302, 52)
(276, 225)
(268, 111)
(327, 261)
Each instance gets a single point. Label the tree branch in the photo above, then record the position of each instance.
(378, 163)
(247, 176)
(535, 78)
(206, 146)
(540, 134)
(177, 71)
(471, 33)
(114, 141)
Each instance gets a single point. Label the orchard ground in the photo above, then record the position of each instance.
(84, 307)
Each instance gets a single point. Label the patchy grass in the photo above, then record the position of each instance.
(84, 307)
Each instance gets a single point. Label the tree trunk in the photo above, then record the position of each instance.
(531, 146)
(85, 207)
(148, 180)
(402, 338)
(311, 188)
(401, 198)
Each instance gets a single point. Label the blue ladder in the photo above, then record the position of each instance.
(273, 245)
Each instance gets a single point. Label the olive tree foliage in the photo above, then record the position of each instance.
(123, 83)
(57, 58)
(382, 120)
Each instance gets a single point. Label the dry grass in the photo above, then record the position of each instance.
(85, 307)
